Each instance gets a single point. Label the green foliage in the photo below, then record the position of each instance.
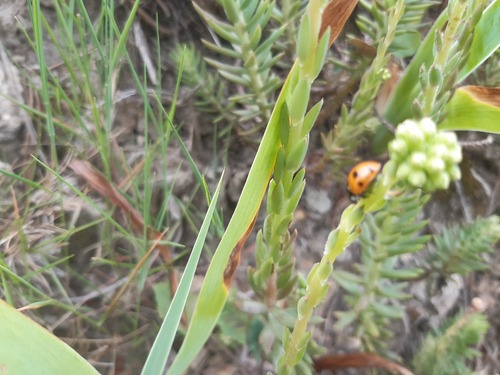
(375, 289)
(374, 23)
(209, 89)
(461, 249)
(354, 124)
(250, 53)
(445, 352)
(450, 52)
(440, 57)
(47, 354)
(287, 15)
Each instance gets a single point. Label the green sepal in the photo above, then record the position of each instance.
(297, 183)
(224, 30)
(352, 216)
(222, 67)
(242, 80)
(297, 154)
(262, 274)
(249, 8)
(392, 312)
(279, 167)
(284, 223)
(252, 281)
(222, 50)
(255, 38)
(304, 39)
(266, 65)
(272, 186)
(250, 61)
(268, 226)
(302, 346)
(371, 327)
(232, 13)
(352, 287)
(285, 273)
(276, 198)
(332, 239)
(286, 289)
(436, 76)
(408, 246)
(298, 100)
(321, 53)
(284, 124)
(286, 334)
(294, 197)
(260, 249)
(393, 291)
(324, 271)
(401, 274)
(311, 117)
(263, 48)
(348, 276)
(261, 15)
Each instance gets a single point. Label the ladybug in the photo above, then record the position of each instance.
(362, 175)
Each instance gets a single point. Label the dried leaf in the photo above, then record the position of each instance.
(488, 95)
(335, 16)
(358, 360)
(107, 190)
(234, 258)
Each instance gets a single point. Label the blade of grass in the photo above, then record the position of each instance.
(157, 358)
(37, 19)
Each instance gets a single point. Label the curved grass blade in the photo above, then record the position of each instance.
(157, 358)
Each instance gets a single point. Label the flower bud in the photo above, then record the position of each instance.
(423, 156)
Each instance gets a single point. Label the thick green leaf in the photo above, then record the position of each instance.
(473, 108)
(28, 348)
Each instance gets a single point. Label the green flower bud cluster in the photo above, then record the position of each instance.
(425, 157)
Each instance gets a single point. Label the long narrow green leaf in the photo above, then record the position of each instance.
(157, 358)
(486, 39)
(399, 105)
(124, 35)
(214, 293)
(28, 348)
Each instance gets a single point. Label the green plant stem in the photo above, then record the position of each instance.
(252, 66)
(317, 281)
(449, 38)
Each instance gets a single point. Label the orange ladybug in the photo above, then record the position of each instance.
(362, 175)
